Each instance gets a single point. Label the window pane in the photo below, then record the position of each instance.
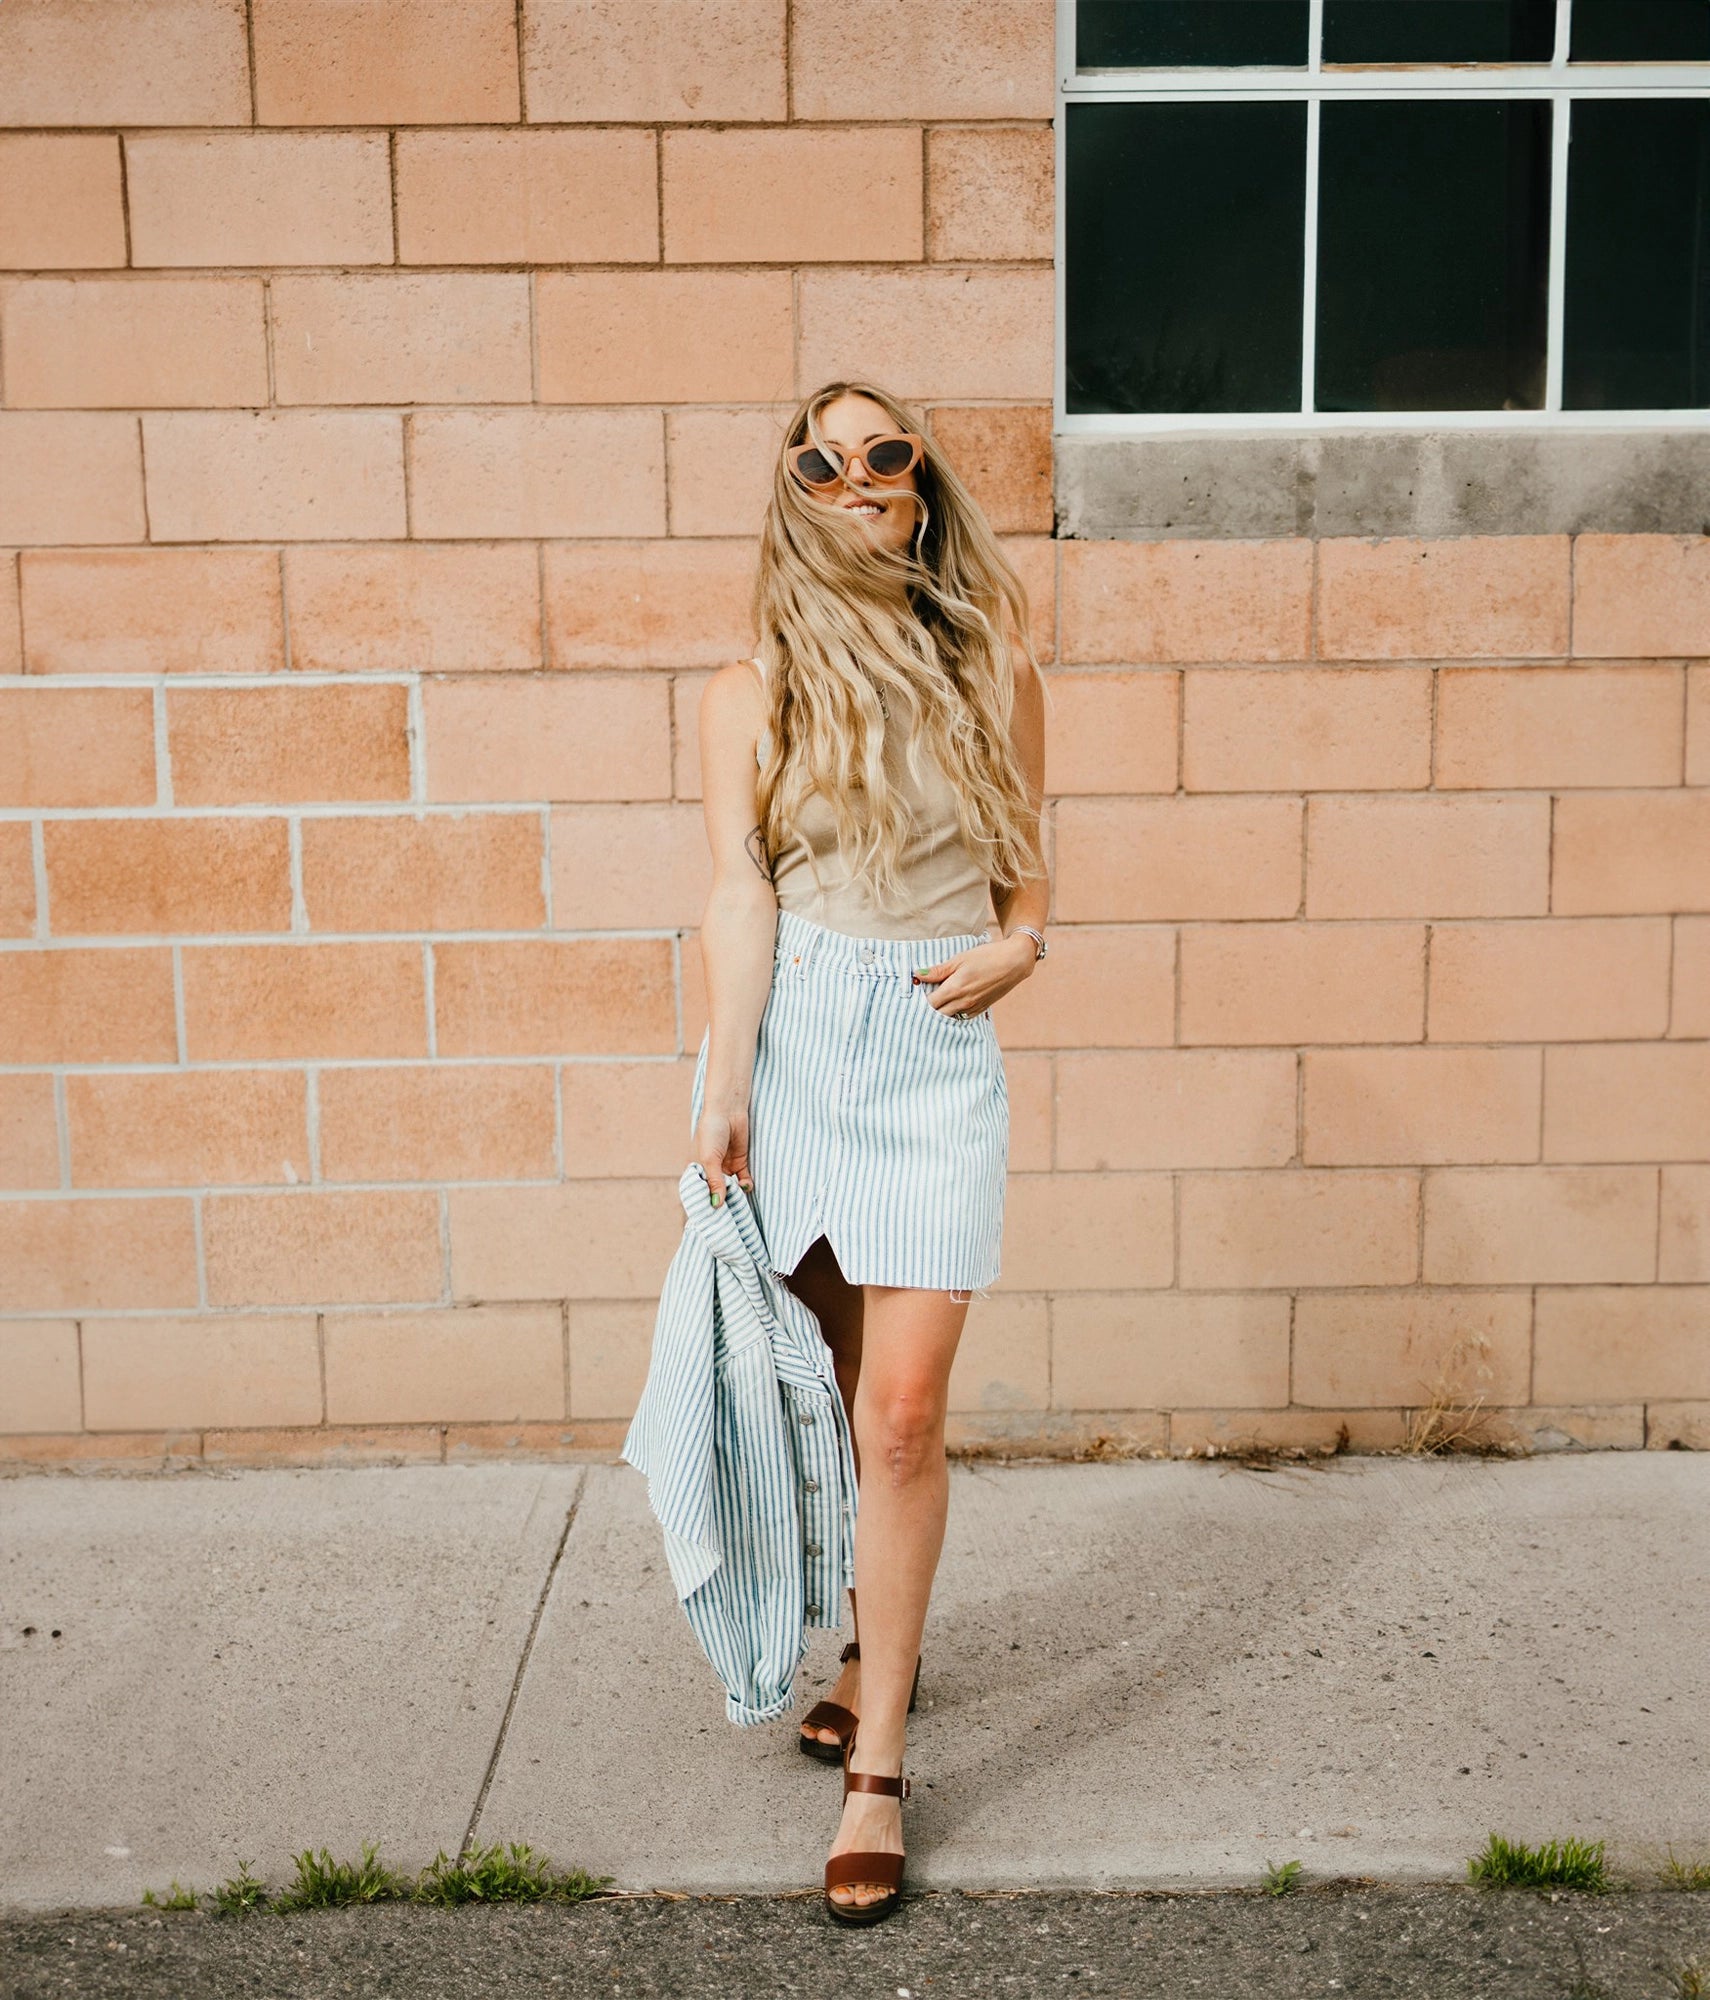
(1432, 31)
(1641, 31)
(1637, 333)
(1190, 34)
(1433, 238)
(1186, 238)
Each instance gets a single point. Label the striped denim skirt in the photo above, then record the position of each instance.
(874, 1119)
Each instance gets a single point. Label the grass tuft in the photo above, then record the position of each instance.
(1451, 1418)
(503, 1874)
(176, 1898)
(1691, 1980)
(1278, 1881)
(1680, 1874)
(513, 1873)
(240, 1895)
(1558, 1864)
(324, 1884)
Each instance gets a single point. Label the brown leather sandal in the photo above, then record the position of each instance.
(833, 1715)
(846, 1870)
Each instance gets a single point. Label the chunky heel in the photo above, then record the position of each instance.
(870, 1870)
(833, 1715)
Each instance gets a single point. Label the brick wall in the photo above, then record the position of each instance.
(387, 397)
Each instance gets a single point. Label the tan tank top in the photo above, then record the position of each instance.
(954, 896)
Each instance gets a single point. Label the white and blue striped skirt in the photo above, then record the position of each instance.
(875, 1120)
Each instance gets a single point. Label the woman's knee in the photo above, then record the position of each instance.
(900, 1425)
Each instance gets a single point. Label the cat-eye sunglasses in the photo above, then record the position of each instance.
(886, 458)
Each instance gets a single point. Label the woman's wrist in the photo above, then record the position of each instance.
(1027, 948)
(728, 1095)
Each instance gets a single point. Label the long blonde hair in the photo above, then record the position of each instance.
(850, 631)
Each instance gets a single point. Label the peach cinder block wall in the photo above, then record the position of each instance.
(388, 391)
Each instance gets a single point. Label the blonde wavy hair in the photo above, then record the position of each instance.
(851, 632)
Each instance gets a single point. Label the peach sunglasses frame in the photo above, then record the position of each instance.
(797, 452)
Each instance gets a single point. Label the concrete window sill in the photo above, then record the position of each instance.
(1260, 485)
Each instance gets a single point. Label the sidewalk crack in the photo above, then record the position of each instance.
(522, 1669)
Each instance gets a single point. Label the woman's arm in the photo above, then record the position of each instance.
(1027, 902)
(740, 922)
(970, 981)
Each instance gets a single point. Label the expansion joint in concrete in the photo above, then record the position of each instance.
(518, 1677)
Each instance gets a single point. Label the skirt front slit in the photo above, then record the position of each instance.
(875, 1120)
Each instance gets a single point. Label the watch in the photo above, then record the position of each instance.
(1038, 938)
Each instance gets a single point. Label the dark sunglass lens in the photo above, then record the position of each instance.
(816, 468)
(891, 456)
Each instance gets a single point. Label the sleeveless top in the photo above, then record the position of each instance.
(937, 865)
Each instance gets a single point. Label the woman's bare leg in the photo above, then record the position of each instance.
(819, 1283)
(909, 1340)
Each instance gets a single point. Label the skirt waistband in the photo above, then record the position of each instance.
(803, 943)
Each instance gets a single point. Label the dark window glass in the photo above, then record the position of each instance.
(1640, 31)
(1190, 34)
(1433, 235)
(1433, 31)
(1637, 323)
(1186, 237)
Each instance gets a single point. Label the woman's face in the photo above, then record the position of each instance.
(849, 424)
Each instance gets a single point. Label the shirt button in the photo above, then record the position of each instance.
(812, 1548)
(866, 956)
(810, 1485)
(813, 1611)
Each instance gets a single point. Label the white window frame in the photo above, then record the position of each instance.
(1559, 81)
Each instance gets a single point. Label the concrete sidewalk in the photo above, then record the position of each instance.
(1146, 1674)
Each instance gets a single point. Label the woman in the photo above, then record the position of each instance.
(872, 783)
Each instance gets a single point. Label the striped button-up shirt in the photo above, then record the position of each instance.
(745, 1443)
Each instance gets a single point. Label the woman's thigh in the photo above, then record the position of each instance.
(909, 1337)
(819, 1283)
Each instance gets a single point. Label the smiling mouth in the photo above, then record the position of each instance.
(871, 508)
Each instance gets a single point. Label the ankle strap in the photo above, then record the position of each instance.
(871, 1781)
(850, 1652)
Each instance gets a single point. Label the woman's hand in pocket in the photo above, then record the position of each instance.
(721, 1147)
(970, 981)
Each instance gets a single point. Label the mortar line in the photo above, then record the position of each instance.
(249, 55)
(294, 871)
(284, 595)
(522, 1669)
(125, 197)
(163, 798)
(39, 875)
(267, 345)
(1656, 1233)
(142, 482)
(564, 1339)
(415, 738)
(392, 194)
(14, 562)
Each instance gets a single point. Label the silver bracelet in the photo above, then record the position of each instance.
(1038, 938)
